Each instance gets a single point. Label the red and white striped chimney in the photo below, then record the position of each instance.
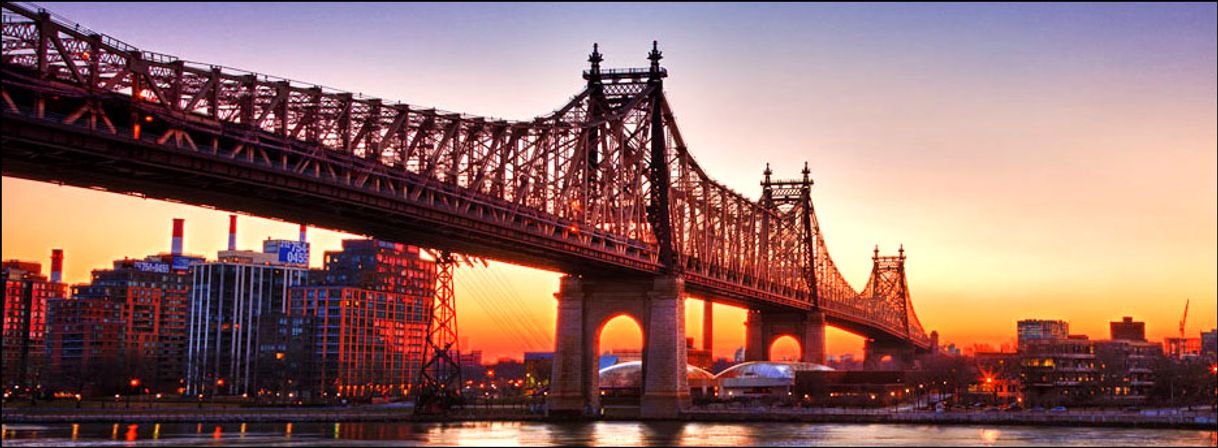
(302, 233)
(177, 236)
(56, 265)
(232, 232)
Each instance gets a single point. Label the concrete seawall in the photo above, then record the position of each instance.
(1080, 418)
(1199, 421)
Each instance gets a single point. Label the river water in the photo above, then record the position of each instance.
(592, 433)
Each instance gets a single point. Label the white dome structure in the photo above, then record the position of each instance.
(770, 369)
(629, 375)
(762, 378)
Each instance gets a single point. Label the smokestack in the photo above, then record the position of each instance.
(302, 233)
(56, 265)
(177, 236)
(232, 232)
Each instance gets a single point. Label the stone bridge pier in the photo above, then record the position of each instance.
(764, 327)
(585, 304)
(888, 355)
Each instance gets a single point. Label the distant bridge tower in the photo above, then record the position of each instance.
(439, 381)
(807, 327)
(888, 285)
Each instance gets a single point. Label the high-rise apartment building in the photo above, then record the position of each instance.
(369, 313)
(236, 303)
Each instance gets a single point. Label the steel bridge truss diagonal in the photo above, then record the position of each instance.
(605, 182)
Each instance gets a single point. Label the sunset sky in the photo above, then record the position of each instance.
(1036, 161)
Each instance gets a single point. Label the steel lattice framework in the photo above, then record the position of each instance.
(439, 379)
(604, 182)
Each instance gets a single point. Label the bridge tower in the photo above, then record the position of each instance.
(438, 387)
(807, 327)
(589, 299)
(887, 282)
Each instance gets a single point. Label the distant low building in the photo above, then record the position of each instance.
(1209, 343)
(1081, 371)
(1000, 377)
(627, 354)
(699, 358)
(470, 362)
(1036, 329)
(1180, 348)
(538, 366)
(1055, 371)
(854, 388)
(1126, 368)
(1127, 329)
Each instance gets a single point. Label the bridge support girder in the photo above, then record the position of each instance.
(584, 306)
(764, 327)
(888, 355)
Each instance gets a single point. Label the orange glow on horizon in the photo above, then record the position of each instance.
(146, 230)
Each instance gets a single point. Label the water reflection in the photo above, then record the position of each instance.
(614, 433)
(990, 436)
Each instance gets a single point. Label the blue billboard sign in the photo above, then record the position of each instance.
(293, 252)
(152, 266)
(182, 263)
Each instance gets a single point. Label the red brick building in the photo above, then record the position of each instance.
(84, 345)
(26, 292)
(150, 299)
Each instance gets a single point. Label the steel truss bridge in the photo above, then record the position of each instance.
(604, 183)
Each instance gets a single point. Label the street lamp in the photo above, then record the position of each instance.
(989, 381)
(219, 384)
(135, 384)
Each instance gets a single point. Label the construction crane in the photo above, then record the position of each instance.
(1184, 318)
(1179, 349)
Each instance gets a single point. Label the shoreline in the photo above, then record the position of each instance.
(1077, 419)
(1205, 422)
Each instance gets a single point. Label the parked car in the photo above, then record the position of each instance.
(1058, 409)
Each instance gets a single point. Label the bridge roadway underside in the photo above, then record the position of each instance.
(45, 151)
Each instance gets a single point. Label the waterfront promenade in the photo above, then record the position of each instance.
(1202, 420)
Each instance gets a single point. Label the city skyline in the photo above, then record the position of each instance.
(1045, 212)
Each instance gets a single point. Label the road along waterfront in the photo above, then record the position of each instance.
(596, 433)
(1196, 420)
